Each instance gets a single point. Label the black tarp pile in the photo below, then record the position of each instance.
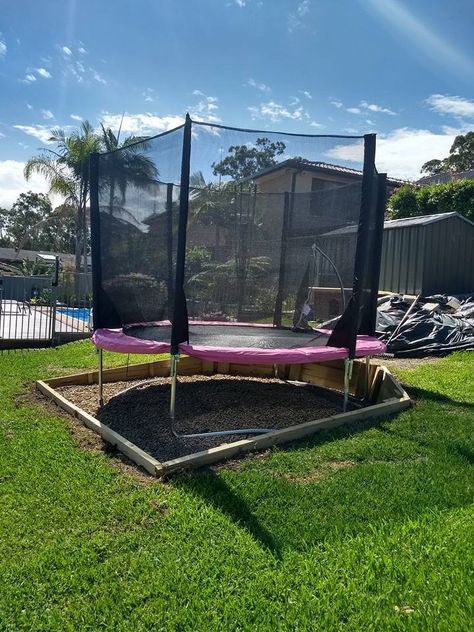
(435, 325)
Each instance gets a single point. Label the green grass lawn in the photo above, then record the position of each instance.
(363, 528)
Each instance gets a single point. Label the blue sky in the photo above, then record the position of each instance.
(402, 69)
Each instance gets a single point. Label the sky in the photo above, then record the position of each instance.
(402, 69)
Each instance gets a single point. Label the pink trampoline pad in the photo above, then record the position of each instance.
(234, 343)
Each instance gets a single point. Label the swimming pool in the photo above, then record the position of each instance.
(80, 313)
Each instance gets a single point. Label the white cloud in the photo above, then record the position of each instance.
(29, 106)
(295, 20)
(144, 124)
(402, 152)
(446, 104)
(82, 50)
(205, 109)
(42, 72)
(373, 107)
(149, 95)
(67, 51)
(260, 86)
(353, 110)
(317, 125)
(336, 103)
(3, 47)
(42, 132)
(276, 112)
(97, 77)
(12, 182)
(240, 3)
(2, 135)
(29, 78)
(47, 114)
(76, 117)
(349, 152)
(306, 93)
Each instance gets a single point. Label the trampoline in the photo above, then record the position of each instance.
(235, 343)
(221, 258)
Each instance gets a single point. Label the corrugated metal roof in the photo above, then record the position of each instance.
(401, 223)
(423, 220)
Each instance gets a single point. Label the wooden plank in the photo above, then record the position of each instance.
(208, 367)
(294, 372)
(145, 370)
(128, 448)
(284, 435)
(251, 370)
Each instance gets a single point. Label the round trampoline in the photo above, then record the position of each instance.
(238, 343)
(197, 265)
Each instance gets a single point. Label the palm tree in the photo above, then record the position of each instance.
(129, 165)
(66, 169)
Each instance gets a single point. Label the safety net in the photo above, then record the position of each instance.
(207, 223)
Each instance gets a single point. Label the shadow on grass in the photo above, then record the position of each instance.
(282, 513)
(421, 393)
(212, 488)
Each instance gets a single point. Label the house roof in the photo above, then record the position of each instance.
(10, 254)
(402, 223)
(446, 176)
(318, 166)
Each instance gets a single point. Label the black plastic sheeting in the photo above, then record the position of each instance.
(428, 329)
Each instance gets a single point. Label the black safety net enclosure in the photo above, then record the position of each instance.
(207, 224)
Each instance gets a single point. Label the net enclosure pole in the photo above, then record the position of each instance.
(277, 316)
(369, 313)
(362, 249)
(346, 329)
(95, 237)
(169, 245)
(180, 327)
(101, 377)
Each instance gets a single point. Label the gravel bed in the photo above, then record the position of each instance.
(203, 403)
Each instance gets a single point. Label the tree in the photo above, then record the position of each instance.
(245, 161)
(461, 157)
(31, 223)
(4, 220)
(413, 201)
(19, 224)
(67, 171)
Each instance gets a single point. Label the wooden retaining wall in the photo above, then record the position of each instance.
(381, 389)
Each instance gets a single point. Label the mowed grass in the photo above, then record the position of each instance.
(364, 528)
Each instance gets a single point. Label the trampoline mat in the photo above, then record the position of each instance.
(234, 336)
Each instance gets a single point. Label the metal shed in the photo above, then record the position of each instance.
(427, 255)
(433, 254)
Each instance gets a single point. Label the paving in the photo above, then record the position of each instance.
(22, 321)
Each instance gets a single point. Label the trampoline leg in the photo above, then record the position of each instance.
(174, 380)
(220, 433)
(367, 376)
(101, 382)
(348, 364)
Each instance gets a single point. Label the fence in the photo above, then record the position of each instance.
(35, 313)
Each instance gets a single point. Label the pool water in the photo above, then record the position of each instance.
(81, 313)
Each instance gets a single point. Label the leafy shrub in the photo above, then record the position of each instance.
(414, 201)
